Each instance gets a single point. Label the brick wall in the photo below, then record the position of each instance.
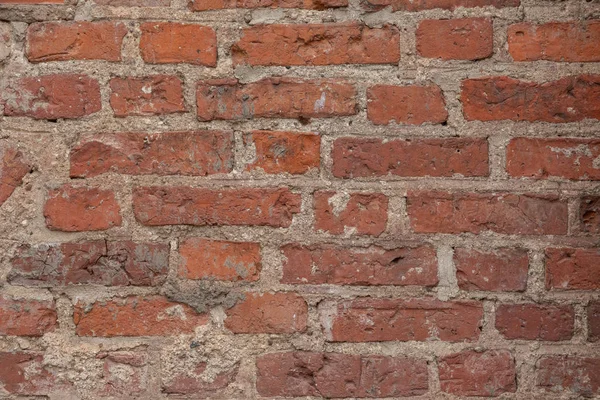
(239, 199)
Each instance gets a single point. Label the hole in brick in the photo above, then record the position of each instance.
(520, 33)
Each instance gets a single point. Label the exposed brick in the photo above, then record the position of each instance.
(150, 95)
(359, 213)
(593, 317)
(456, 39)
(556, 41)
(469, 373)
(134, 3)
(124, 373)
(535, 322)
(197, 153)
(379, 320)
(5, 40)
(568, 99)
(226, 99)
(52, 96)
(33, 1)
(167, 42)
(525, 214)
(334, 375)
(219, 260)
(358, 157)
(569, 374)
(561, 157)
(136, 316)
(164, 205)
(203, 5)
(280, 152)
(99, 262)
(13, 169)
(317, 44)
(359, 266)
(63, 41)
(420, 5)
(413, 105)
(26, 317)
(498, 270)
(572, 269)
(268, 313)
(193, 382)
(589, 214)
(74, 209)
(25, 374)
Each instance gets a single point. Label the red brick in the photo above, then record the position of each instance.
(150, 95)
(535, 322)
(561, 157)
(25, 374)
(193, 383)
(359, 157)
(124, 373)
(556, 41)
(568, 99)
(98, 262)
(219, 260)
(589, 214)
(281, 152)
(196, 153)
(164, 205)
(52, 96)
(498, 270)
(63, 41)
(13, 168)
(380, 320)
(593, 317)
(413, 105)
(317, 44)
(136, 316)
(525, 214)
(268, 313)
(203, 5)
(326, 264)
(572, 269)
(227, 99)
(26, 317)
(420, 5)
(32, 1)
(75, 209)
(134, 3)
(569, 375)
(469, 373)
(359, 213)
(6, 35)
(167, 42)
(456, 39)
(334, 375)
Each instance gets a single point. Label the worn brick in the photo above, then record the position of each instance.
(420, 5)
(456, 39)
(150, 95)
(24, 373)
(577, 376)
(589, 214)
(26, 317)
(281, 152)
(572, 269)
(204, 5)
(193, 383)
(13, 168)
(593, 317)
(535, 321)
(498, 270)
(412, 105)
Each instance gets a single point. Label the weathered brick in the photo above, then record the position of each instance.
(196, 153)
(281, 152)
(420, 5)
(226, 99)
(359, 157)
(167, 42)
(13, 168)
(317, 44)
(52, 96)
(589, 214)
(74, 209)
(219, 260)
(150, 95)
(556, 41)
(572, 269)
(193, 382)
(326, 264)
(569, 99)
(124, 373)
(99, 262)
(5, 41)
(508, 213)
(33, 1)
(136, 316)
(569, 374)
(498, 270)
(134, 3)
(334, 375)
(163, 205)
(26, 317)
(469, 373)
(561, 157)
(456, 39)
(63, 41)
(24, 373)
(535, 321)
(379, 320)
(282, 312)
(593, 317)
(359, 213)
(204, 5)
(413, 105)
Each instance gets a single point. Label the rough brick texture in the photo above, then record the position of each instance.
(456, 39)
(531, 322)
(412, 105)
(26, 317)
(496, 270)
(579, 376)
(572, 269)
(151, 95)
